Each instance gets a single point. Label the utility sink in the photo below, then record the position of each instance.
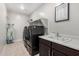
(64, 39)
(52, 37)
(60, 38)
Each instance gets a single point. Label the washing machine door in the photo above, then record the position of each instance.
(25, 33)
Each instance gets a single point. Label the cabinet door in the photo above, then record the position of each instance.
(65, 50)
(44, 50)
(57, 53)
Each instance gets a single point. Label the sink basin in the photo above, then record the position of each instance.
(52, 37)
(61, 38)
(64, 39)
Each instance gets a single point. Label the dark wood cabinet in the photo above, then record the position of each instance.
(47, 48)
(44, 48)
(66, 51)
(57, 53)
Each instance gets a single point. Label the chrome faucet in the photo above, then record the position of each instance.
(58, 35)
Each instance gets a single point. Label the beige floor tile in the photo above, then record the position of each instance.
(14, 49)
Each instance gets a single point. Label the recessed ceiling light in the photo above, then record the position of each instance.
(22, 7)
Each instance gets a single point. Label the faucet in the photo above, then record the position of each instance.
(58, 35)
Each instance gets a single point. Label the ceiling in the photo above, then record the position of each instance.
(24, 8)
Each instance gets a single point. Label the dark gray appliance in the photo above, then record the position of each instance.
(31, 38)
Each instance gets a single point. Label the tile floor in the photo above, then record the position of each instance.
(14, 49)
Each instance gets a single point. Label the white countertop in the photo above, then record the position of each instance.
(73, 43)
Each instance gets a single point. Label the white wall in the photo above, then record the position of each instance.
(68, 27)
(19, 21)
(3, 17)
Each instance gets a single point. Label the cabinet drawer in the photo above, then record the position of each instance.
(65, 50)
(47, 43)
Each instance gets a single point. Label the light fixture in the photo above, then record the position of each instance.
(22, 7)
